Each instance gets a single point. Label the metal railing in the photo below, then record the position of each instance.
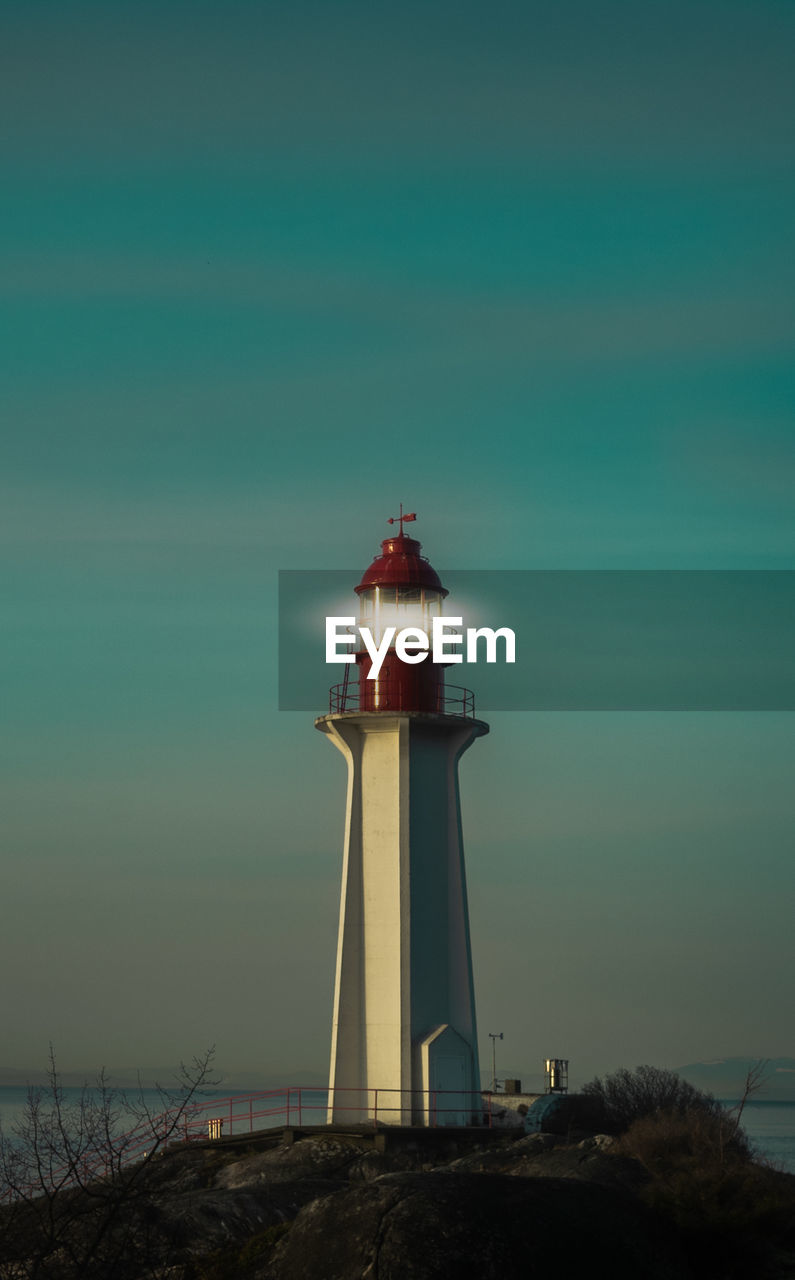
(293, 1105)
(301, 1105)
(451, 700)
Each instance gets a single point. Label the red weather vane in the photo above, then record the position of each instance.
(401, 519)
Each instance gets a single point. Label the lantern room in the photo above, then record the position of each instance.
(400, 589)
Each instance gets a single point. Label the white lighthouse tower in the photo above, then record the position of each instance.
(404, 1038)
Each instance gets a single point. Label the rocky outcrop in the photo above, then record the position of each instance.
(395, 1205)
(543, 1156)
(332, 1208)
(471, 1226)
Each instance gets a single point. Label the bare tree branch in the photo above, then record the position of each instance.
(755, 1079)
(72, 1179)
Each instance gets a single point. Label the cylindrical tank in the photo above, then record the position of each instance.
(557, 1074)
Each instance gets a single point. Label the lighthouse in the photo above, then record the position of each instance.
(404, 1038)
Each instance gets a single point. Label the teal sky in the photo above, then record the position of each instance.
(268, 269)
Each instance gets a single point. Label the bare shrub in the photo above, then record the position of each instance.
(671, 1139)
(616, 1101)
(76, 1193)
(736, 1214)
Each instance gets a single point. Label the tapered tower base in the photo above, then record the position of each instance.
(404, 1006)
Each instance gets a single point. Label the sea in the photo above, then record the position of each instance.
(769, 1126)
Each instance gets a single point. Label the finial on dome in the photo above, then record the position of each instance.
(401, 519)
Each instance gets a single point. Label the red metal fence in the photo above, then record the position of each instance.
(242, 1113)
(301, 1105)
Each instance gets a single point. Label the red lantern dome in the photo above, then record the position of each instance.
(401, 565)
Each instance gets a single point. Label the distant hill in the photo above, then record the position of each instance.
(725, 1078)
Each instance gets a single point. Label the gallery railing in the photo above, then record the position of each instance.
(451, 700)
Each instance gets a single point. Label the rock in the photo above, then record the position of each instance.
(599, 1142)
(539, 1142)
(333, 1206)
(461, 1226)
(546, 1156)
(325, 1157)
